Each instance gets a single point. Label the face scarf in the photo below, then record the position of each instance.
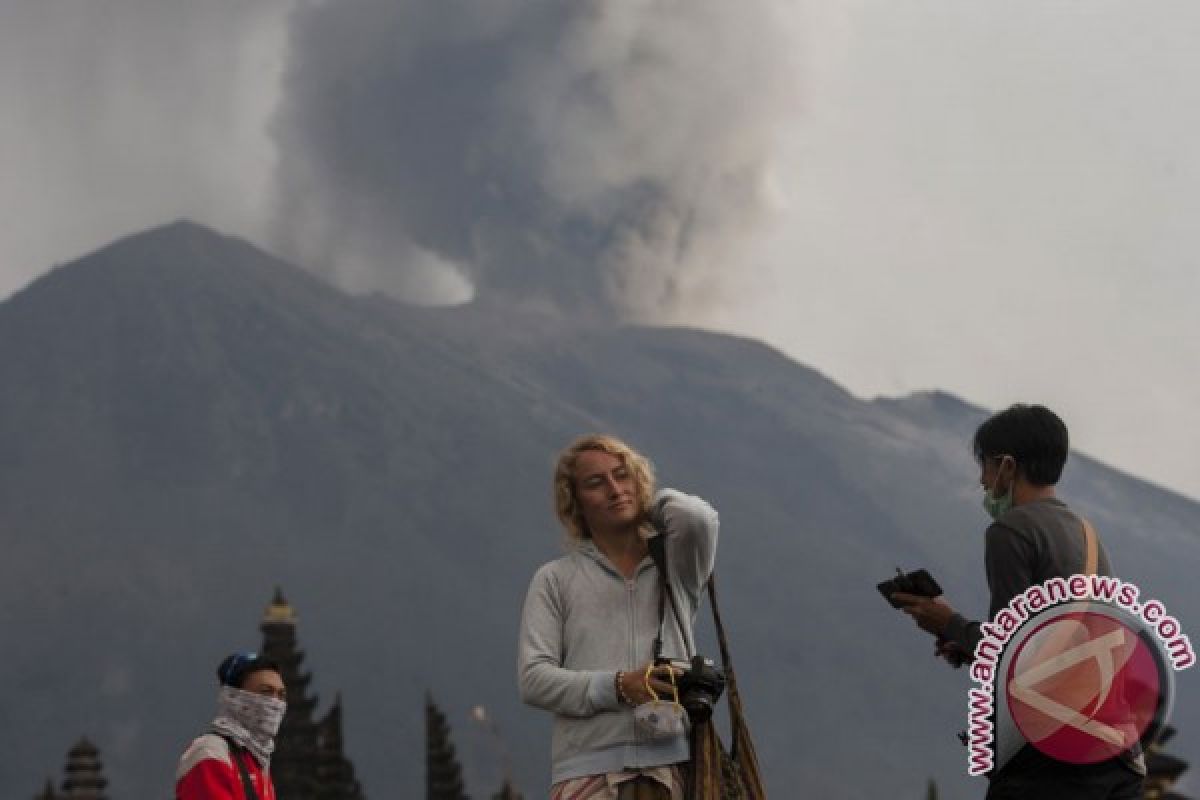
(251, 720)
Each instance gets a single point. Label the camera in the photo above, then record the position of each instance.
(700, 686)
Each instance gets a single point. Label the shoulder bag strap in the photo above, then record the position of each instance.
(1091, 560)
(742, 750)
(234, 752)
(1091, 549)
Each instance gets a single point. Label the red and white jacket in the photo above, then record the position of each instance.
(207, 772)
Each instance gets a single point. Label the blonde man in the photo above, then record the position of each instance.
(591, 617)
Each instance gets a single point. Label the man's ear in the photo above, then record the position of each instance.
(1015, 473)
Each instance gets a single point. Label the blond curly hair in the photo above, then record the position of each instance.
(566, 504)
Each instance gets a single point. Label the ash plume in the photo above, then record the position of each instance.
(586, 156)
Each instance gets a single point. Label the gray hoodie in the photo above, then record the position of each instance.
(583, 621)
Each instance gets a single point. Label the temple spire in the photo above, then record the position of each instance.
(279, 612)
(443, 775)
(335, 772)
(293, 766)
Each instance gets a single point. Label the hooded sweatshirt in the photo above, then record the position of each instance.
(583, 621)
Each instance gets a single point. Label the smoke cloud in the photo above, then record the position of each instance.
(613, 157)
(126, 114)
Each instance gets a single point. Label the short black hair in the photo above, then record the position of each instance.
(234, 669)
(1033, 435)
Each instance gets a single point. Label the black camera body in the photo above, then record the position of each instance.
(700, 686)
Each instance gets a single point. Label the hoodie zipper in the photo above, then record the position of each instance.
(631, 587)
(631, 657)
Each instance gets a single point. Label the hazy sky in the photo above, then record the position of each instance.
(988, 198)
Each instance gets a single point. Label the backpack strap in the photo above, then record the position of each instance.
(234, 755)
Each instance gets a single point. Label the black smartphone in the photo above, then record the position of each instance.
(918, 582)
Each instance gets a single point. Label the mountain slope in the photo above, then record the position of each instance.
(186, 421)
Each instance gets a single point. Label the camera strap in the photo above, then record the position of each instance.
(657, 546)
(709, 780)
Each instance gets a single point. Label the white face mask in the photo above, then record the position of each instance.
(998, 506)
(661, 719)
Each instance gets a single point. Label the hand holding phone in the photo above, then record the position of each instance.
(918, 582)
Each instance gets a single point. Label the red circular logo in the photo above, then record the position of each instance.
(1084, 687)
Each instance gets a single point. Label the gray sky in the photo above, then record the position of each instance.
(989, 198)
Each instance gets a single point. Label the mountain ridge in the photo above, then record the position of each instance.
(192, 421)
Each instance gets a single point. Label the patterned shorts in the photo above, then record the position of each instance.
(653, 783)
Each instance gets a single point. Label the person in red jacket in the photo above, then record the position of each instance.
(232, 760)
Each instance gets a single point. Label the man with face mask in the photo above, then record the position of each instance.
(232, 761)
(1033, 537)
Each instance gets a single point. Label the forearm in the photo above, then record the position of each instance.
(542, 679)
(572, 693)
(690, 525)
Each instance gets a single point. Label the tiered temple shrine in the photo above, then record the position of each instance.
(308, 763)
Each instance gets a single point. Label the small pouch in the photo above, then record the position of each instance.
(661, 719)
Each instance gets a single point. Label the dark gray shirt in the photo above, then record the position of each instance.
(1026, 546)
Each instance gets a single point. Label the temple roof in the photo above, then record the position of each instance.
(85, 773)
(83, 749)
(279, 612)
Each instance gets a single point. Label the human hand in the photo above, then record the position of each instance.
(634, 685)
(952, 652)
(932, 614)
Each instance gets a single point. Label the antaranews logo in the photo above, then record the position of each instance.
(1078, 668)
